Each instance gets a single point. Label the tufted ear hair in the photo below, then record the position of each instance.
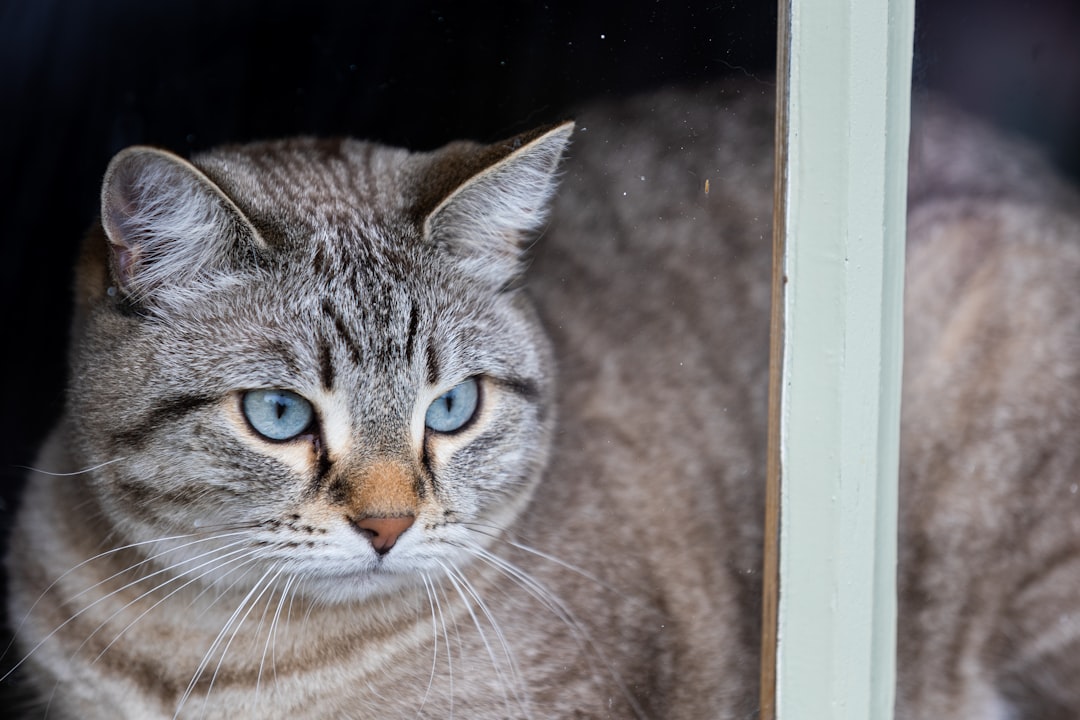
(488, 216)
(170, 228)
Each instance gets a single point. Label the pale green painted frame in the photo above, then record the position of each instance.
(844, 101)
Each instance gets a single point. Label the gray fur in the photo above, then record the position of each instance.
(590, 544)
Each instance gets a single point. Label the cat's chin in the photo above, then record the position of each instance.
(360, 586)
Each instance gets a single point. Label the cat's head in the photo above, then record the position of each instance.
(316, 354)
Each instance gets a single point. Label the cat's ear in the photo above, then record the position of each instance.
(169, 225)
(488, 217)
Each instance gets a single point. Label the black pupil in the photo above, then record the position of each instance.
(280, 407)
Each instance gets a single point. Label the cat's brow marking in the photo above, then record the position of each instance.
(343, 332)
(410, 341)
(432, 364)
(524, 387)
(326, 365)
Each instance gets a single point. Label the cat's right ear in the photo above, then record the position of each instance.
(168, 224)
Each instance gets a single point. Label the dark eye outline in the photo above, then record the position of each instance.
(310, 428)
(472, 417)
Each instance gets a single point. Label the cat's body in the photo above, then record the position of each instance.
(619, 579)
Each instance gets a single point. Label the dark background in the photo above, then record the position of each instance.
(79, 80)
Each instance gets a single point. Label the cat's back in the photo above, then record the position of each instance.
(990, 458)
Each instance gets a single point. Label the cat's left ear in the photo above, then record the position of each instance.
(490, 217)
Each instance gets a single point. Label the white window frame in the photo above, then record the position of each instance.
(843, 99)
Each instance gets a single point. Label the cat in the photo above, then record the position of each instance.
(353, 431)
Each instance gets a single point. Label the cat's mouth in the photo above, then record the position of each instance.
(366, 580)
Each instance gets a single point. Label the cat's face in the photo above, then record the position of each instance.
(281, 385)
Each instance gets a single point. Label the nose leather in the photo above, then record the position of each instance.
(383, 532)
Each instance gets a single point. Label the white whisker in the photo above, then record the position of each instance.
(558, 608)
(93, 604)
(84, 563)
(167, 569)
(213, 647)
(465, 592)
(496, 533)
(271, 639)
(90, 469)
(446, 638)
(288, 613)
(174, 591)
(251, 606)
(434, 642)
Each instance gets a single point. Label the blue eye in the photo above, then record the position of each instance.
(452, 410)
(277, 414)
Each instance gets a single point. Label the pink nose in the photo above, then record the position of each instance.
(383, 532)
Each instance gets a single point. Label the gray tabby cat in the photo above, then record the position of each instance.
(334, 448)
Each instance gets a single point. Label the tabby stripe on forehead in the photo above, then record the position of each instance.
(167, 411)
(432, 364)
(410, 341)
(343, 332)
(326, 364)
